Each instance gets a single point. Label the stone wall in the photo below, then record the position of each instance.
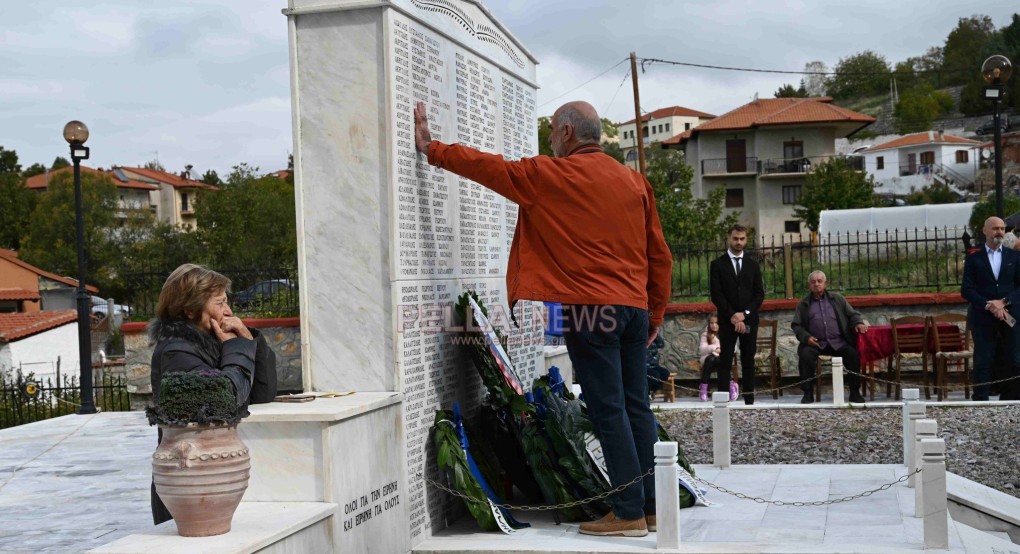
(685, 322)
(283, 336)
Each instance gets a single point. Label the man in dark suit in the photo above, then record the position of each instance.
(991, 284)
(737, 292)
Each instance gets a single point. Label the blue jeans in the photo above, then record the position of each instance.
(607, 348)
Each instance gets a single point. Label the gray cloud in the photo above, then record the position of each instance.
(206, 82)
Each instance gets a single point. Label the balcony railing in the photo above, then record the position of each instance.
(723, 166)
(916, 169)
(804, 164)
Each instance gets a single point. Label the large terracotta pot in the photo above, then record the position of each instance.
(201, 473)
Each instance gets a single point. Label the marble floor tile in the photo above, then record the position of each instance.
(793, 517)
(801, 493)
(799, 536)
(803, 476)
(880, 534)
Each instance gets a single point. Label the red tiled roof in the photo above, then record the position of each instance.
(171, 179)
(13, 258)
(21, 325)
(677, 139)
(18, 294)
(777, 111)
(924, 137)
(675, 111)
(282, 174)
(40, 181)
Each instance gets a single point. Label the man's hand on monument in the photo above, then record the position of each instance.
(422, 136)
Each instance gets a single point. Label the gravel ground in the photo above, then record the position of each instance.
(982, 444)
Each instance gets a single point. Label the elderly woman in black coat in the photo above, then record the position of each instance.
(195, 329)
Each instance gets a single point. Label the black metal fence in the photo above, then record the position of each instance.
(255, 291)
(24, 400)
(898, 260)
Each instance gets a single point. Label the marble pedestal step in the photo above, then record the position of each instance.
(257, 527)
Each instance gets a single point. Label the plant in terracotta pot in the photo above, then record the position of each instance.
(201, 467)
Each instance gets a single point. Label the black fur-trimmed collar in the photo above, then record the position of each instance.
(163, 330)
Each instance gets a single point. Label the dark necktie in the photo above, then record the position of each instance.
(738, 264)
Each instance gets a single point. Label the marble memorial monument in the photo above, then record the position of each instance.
(387, 243)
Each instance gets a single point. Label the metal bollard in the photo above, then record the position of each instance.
(909, 395)
(923, 429)
(838, 398)
(721, 429)
(933, 480)
(915, 411)
(667, 496)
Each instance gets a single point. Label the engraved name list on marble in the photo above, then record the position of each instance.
(450, 234)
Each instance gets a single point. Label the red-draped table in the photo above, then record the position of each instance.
(877, 344)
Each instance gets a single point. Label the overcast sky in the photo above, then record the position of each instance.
(206, 82)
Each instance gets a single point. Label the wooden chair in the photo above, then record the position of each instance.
(668, 389)
(951, 347)
(766, 362)
(909, 347)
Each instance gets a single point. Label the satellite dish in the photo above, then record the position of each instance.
(986, 153)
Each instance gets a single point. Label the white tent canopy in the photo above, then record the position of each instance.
(872, 220)
(850, 235)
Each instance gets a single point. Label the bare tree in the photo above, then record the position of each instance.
(815, 84)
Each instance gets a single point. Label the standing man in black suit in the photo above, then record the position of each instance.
(737, 292)
(991, 284)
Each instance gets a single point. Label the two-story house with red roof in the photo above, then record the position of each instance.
(657, 126)
(177, 194)
(132, 194)
(917, 160)
(761, 153)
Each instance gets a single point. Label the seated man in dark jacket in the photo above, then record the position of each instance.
(826, 324)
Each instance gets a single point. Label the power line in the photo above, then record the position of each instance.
(584, 83)
(649, 61)
(623, 82)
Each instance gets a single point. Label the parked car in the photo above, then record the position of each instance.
(100, 308)
(274, 292)
(988, 127)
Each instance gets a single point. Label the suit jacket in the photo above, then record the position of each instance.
(980, 285)
(847, 318)
(732, 293)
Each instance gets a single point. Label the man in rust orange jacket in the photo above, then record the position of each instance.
(588, 236)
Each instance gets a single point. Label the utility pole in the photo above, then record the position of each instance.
(637, 115)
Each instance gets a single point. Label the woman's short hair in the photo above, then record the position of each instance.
(187, 290)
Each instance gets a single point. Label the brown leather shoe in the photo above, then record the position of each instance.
(650, 522)
(610, 526)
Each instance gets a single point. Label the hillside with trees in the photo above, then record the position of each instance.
(917, 91)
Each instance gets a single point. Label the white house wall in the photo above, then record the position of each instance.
(39, 353)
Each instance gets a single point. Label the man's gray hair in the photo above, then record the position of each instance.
(586, 129)
(819, 272)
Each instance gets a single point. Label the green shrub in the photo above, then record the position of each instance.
(204, 396)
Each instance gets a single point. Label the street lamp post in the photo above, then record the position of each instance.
(76, 133)
(996, 70)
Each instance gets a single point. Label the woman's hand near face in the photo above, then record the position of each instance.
(232, 324)
(221, 334)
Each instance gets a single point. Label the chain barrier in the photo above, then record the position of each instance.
(944, 387)
(760, 500)
(709, 484)
(756, 390)
(861, 375)
(573, 504)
